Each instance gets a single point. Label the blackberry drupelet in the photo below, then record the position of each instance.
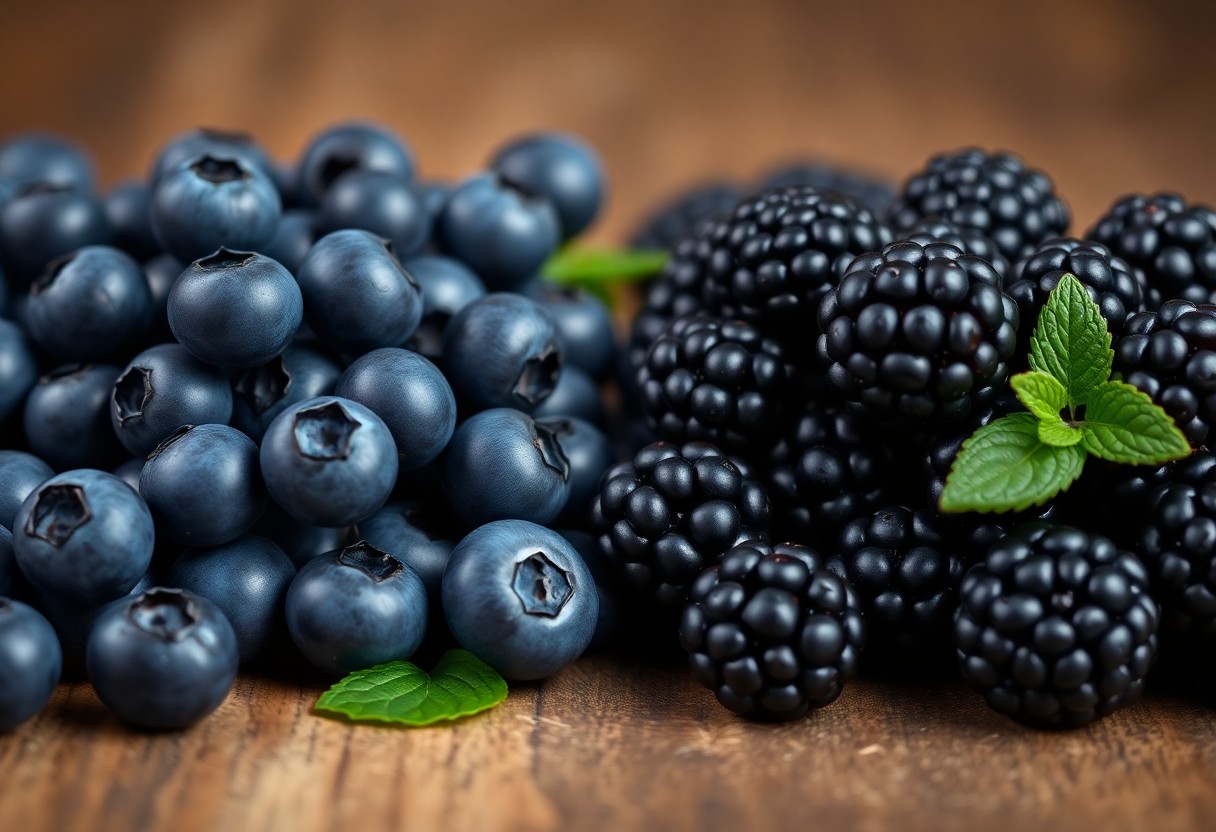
(672, 511)
(1056, 626)
(774, 258)
(676, 219)
(678, 291)
(710, 380)
(871, 191)
(917, 333)
(771, 632)
(1171, 355)
(1172, 243)
(994, 193)
(938, 230)
(828, 468)
(1109, 280)
(1177, 543)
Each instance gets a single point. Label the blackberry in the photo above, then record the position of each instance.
(1177, 542)
(1171, 355)
(771, 632)
(1109, 280)
(672, 511)
(1056, 626)
(993, 193)
(772, 260)
(676, 219)
(678, 291)
(871, 191)
(1173, 244)
(918, 332)
(706, 379)
(827, 469)
(938, 230)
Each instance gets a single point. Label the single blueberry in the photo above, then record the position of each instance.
(45, 158)
(67, 417)
(559, 167)
(30, 663)
(229, 143)
(584, 326)
(43, 222)
(20, 474)
(575, 394)
(382, 203)
(348, 147)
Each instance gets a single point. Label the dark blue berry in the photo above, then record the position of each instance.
(228, 143)
(161, 272)
(302, 542)
(560, 168)
(32, 158)
(43, 222)
(262, 393)
(589, 454)
(30, 663)
(447, 287)
(354, 146)
(20, 474)
(67, 417)
(18, 368)
(415, 533)
(584, 326)
(382, 203)
(575, 394)
(292, 239)
(128, 209)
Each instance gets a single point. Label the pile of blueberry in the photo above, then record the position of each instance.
(329, 409)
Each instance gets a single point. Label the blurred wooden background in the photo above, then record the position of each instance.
(1107, 96)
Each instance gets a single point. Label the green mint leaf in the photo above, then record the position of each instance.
(1071, 341)
(1059, 433)
(401, 693)
(1042, 394)
(1123, 424)
(586, 266)
(1004, 466)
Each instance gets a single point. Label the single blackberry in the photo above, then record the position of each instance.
(1171, 355)
(1177, 542)
(993, 193)
(938, 230)
(1109, 280)
(1056, 626)
(678, 291)
(710, 380)
(918, 333)
(871, 191)
(828, 468)
(1173, 244)
(677, 218)
(771, 632)
(778, 253)
(672, 511)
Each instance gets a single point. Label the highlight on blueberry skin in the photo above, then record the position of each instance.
(164, 659)
(329, 461)
(211, 200)
(83, 535)
(355, 608)
(235, 309)
(30, 663)
(503, 464)
(502, 351)
(519, 597)
(43, 221)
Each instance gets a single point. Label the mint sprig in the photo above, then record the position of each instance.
(1075, 411)
(401, 693)
(596, 269)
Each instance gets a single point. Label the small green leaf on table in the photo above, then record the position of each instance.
(585, 265)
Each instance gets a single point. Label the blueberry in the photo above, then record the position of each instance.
(503, 464)
(30, 663)
(434, 196)
(127, 207)
(349, 147)
(228, 143)
(589, 454)
(203, 485)
(248, 580)
(164, 659)
(584, 326)
(415, 534)
(163, 388)
(502, 234)
(357, 296)
(519, 597)
(262, 393)
(89, 305)
(18, 368)
(292, 239)
(83, 535)
(356, 608)
(447, 287)
(31, 158)
(287, 181)
(501, 351)
(300, 541)
(382, 203)
(43, 222)
(608, 590)
(67, 417)
(576, 394)
(410, 395)
(130, 471)
(329, 461)
(235, 309)
(73, 621)
(161, 273)
(20, 474)
(8, 563)
(560, 168)
(214, 200)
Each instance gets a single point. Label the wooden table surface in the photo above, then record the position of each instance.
(1108, 97)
